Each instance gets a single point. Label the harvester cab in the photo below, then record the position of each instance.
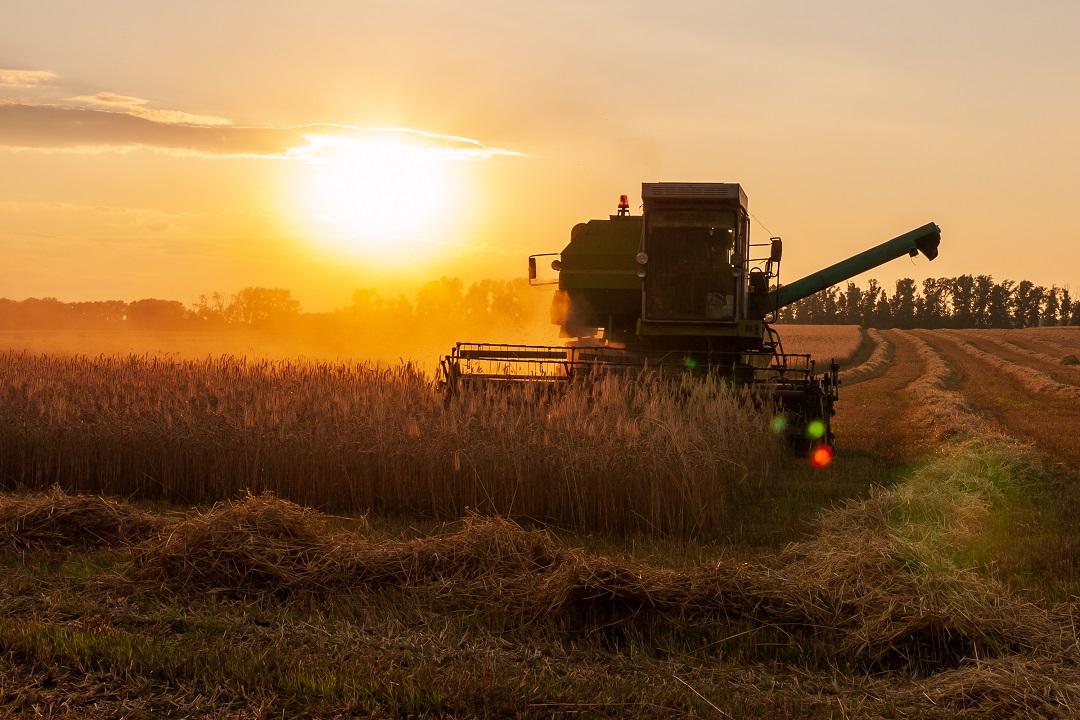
(680, 288)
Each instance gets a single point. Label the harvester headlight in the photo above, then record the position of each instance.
(642, 258)
(641, 272)
(556, 265)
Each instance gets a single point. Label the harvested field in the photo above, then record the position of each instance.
(901, 412)
(1030, 356)
(934, 590)
(1034, 380)
(867, 615)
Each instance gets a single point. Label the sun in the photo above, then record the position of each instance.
(381, 198)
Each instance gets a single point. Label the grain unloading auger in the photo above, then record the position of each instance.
(680, 288)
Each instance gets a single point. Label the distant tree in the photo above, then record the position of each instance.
(400, 311)
(1025, 304)
(1065, 307)
(934, 307)
(9, 314)
(852, 302)
(440, 298)
(210, 311)
(999, 305)
(882, 311)
(1038, 299)
(507, 305)
(263, 307)
(1051, 305)
(367, 308)
(903, 303)
(830, 306)
(962, 290)
(811, 309)
(153, 314)
(868, 310)
(45, 313)
(478, 300)
(97, 314)
(980, 300)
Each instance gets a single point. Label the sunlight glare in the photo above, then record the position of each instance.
(383, 198)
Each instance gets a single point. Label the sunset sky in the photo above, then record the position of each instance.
(152, 149)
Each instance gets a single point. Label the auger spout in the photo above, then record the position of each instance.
(924, 239)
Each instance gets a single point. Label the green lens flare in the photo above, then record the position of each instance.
(778, 424)
(690, 363)
(815, 430)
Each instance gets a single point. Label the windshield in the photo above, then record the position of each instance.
(689, 274)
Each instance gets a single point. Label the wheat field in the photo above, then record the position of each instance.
(608, 455)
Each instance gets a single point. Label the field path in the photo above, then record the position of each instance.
(876, 416)
(1048, 421)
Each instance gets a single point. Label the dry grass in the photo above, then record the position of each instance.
(611, 455)
(871, 615)
(879, 360)
(943, 411)
(1062, 364)
(873, 585)
(54, 520)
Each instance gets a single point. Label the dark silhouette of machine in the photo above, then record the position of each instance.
(680, 288)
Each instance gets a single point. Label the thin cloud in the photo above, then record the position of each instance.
(26, 78)
(138, 107)
(122, 123)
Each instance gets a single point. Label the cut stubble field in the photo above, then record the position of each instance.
(611, 554)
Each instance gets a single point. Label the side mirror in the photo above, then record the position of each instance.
(539, 274)
(776, 249)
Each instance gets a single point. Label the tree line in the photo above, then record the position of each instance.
(262, 308)
(962, 302)
(967, 301)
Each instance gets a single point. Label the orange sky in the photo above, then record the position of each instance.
(168, 150)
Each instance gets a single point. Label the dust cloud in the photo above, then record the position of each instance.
(267, 323)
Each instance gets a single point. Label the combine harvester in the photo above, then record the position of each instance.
(680, 287)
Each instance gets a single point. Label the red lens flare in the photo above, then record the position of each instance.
(822, 457)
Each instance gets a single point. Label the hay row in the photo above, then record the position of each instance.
(53, 520)
(1062, 339)
(1066, 358)
(879, 359)
(942, 410)
(1030, 378)
(849, 588)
